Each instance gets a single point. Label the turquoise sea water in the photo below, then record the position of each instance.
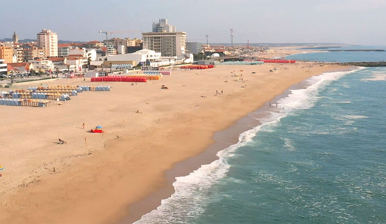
(319, 158)
(344, 56)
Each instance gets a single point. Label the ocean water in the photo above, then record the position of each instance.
(344, 56)
(320, 157)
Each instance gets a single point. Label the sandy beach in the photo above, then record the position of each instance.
(97, 178)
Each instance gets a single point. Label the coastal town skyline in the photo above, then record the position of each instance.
(349, 21)
(186, 112)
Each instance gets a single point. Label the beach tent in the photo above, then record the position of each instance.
(98, 129)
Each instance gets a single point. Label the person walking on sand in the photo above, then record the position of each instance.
(83, 125)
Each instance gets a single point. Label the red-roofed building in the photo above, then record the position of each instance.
(64, 45)
(56, 59)
(59, 63)
(63, 50)
(15, 68)
(77, 44)
(75, 56)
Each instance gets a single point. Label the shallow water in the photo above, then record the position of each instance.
(344, 56)
(321, 158)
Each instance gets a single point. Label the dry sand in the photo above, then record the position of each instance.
(282, 52)
(94, 178)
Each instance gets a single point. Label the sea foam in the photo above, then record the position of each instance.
(376, 76)
(189, 199)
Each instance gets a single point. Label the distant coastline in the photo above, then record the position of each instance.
(366, 64)
(358, 50)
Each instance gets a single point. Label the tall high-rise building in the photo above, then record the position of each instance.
(15, 38)
(165, 39)
(48, 40)
(163, 26)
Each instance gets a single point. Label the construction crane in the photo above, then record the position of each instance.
(107, 33)
(231, 31)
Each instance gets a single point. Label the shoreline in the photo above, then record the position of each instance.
(222, 139)
(96, 188)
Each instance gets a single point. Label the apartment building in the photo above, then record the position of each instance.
(168, 44)
(18, 53)
(48, 40)
(165, 39)
(32, 52)
(64, 50)
(6, 53)
(133, 42)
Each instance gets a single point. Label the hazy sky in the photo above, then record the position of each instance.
(343, 21)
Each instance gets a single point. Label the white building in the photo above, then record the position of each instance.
(163, 26)
(84, 52)
(76, 64)
(3, 67)
(166, 40)
(91, 53)
(48, 40)
(168, 44)
(18, 55)
(42, 65)
(141, 56)
(121, 49)
(77, 51)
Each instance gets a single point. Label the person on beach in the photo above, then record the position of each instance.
(61, 141)
(83, 125)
